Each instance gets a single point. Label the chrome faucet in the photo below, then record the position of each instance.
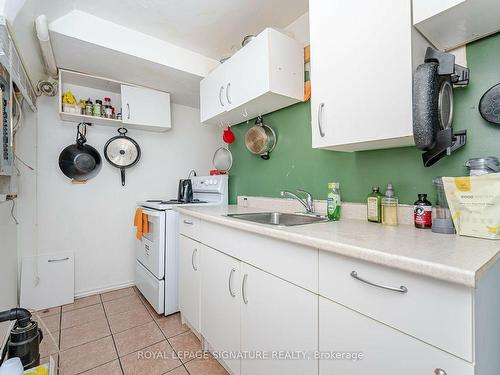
(308, 202)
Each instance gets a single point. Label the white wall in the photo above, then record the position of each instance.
(95, 220)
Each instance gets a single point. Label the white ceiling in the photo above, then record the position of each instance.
(210, 27)
(213, 28)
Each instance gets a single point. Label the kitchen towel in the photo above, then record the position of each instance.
(141, 222)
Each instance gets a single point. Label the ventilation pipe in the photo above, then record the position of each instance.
(42, 33)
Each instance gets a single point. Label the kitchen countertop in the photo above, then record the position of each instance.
(453, 258)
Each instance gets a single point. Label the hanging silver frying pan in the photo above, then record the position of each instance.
(122, 152)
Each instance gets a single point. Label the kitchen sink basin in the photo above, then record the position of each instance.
(279, 218)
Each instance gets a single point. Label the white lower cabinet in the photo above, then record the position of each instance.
(189, 281)
(277, 319)
(221, 298)
(384, 350)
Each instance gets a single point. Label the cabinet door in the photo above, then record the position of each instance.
(277, 319)
(384, 350)
(220, 298)
(361, 74)
(213, 101)
(247, 74)
(146, 107)
(190, 281)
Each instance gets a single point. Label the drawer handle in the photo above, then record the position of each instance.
(57, 260)
(195, 251)
(401, 289)
(188, 222)
(244, 289)
(439, 371)
(230, 283)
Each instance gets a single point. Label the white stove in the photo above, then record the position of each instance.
(157, 251)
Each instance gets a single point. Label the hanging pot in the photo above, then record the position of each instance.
(260, 139)
(80, 161)
(122, 152)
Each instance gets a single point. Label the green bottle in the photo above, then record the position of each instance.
(374, 206)
(333, 201)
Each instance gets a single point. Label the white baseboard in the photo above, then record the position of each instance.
(108, 288)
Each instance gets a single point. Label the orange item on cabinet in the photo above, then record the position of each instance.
(141, 222)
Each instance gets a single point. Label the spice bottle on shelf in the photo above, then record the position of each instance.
(422, 212)
(107, 110)
(374, 206)
(97, 108)
(333, 202)
(89, 110)
(389, 207)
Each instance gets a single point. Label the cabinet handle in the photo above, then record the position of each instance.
(57, 260)
(439, 371)
(227, 93)
(320, 119)
(230, 283)
(220, 96)
(195, 251)
(188, 222)
(128, 111)
(401, 289)
(244, 289)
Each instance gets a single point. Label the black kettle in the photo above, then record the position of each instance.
(185, 192)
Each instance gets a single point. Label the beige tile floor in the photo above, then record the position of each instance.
(119, 333)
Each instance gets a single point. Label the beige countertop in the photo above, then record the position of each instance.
(453, 258)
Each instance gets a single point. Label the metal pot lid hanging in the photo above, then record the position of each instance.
(122, 152)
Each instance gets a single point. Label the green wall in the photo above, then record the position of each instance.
(294, 164)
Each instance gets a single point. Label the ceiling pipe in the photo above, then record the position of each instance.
(42, 33)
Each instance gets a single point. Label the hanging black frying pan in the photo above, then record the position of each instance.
(122, 152)
(489, 105)
(80, 161)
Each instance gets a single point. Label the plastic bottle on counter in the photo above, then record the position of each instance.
(422, 212)
(333, 201)
(389, 207)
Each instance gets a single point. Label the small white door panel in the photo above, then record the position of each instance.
(147, 107)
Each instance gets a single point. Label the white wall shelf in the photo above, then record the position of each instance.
(142, 108)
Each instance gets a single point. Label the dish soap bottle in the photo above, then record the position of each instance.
(389, 207)
(333, 201)
(374, 206)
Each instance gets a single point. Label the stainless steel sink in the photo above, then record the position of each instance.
(278, 218)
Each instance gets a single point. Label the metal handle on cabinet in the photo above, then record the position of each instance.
(195, 251)
(57, 260)
(188, 222)
(128, 111)
(244, 289)
(230, 283)
(227, 93)
(439, 371)
(220, 96)
(320, 119)
(401, 289)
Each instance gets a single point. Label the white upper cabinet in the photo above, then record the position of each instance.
(362, 55)
(452, 23)
(145, 107)
(142, 108)
(265, 75)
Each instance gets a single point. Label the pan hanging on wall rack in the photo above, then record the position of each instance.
(122, 152)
